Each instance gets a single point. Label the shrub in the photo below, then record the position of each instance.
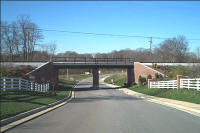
(159, 76)
(142, 80)
(149, 76)
(4, 71)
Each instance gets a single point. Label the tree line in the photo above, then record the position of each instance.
(19, 40)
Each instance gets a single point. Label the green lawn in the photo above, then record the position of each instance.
(118, 79)
(15, 102)
(74, 77)
(181, 94)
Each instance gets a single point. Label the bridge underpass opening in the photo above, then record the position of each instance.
(94, 64)
(72, 74)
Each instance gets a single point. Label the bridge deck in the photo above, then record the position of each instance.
(63, 65)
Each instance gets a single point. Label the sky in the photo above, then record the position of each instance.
(154, 18)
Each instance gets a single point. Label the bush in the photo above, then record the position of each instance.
(159, 76)
(4, 71)
(142, 80)
(149, 76)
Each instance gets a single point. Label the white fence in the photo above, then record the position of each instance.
(171, 84)
(190, 83)
(18, 83)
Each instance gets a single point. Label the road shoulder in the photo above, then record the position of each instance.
(180, 105)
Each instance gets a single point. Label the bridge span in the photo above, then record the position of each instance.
(49, 71)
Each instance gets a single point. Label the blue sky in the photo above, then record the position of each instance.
(162, 19)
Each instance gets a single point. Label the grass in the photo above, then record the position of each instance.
(19, 101)
(192, 96)
(118, 79)
(181, 94)
(74, 77)
(15, 102)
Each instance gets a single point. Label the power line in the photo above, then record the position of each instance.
(96, 34)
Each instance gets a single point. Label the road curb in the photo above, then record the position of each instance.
(11, 122)
(158, 100)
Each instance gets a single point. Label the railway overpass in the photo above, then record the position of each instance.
(49, 71)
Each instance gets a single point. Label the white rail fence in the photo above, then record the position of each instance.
(190, 83)
(172, 84)
(18, 83)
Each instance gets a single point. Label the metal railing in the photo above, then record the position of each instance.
(87, 60)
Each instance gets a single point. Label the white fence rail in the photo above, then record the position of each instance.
(18, 83)
(171, 84)
(190, 83)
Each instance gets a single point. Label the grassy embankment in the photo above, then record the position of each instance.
(15, 102)
(181, 94)
(18, 101)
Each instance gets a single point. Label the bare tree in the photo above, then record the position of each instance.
(52, 49)
(198, 53)
(173, 50)
(29, 34)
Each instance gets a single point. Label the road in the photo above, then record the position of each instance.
(108, 110)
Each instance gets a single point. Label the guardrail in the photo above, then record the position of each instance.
(171, 84)
(87, 60)
(19, 83)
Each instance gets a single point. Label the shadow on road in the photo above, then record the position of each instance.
(101, 97)
(92, 88)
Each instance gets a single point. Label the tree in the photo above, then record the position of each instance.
(198, 53)
(173, 50)
(29, 34)
(19, 38)
(52, 49)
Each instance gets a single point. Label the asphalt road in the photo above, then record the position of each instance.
(108, 110)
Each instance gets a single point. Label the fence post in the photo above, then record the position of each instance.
(198, 84)
(178, 81)
(31, 86)
(20, 84)
(36, 87)
(149, 85)
(188, 84)
(4, 84)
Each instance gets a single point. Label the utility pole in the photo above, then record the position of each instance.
(67, 72)
(150, 40)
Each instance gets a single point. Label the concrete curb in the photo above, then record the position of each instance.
(31, 114)
(164, 101)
